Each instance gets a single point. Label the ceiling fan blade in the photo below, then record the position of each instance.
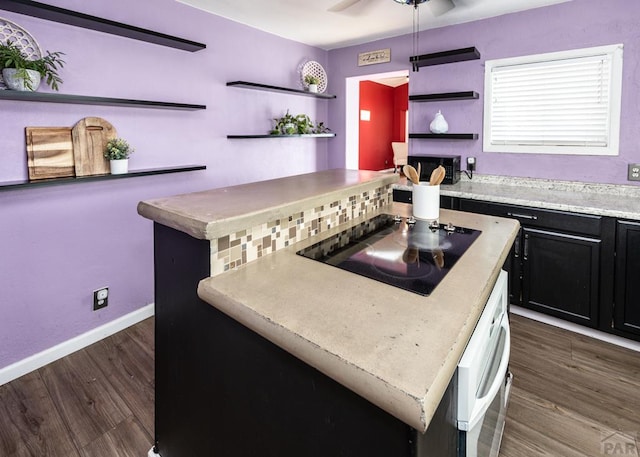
(343, 5)
(439, 7)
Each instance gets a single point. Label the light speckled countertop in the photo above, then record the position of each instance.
(395, 348)
(619, 201)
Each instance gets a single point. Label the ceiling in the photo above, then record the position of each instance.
(310, 22)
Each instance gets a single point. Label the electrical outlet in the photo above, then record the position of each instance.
(634, 172)
(471, 163)
(100, 298)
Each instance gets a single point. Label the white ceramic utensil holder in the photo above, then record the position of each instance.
(426, 201)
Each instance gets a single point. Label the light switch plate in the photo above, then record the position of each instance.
(634, 172)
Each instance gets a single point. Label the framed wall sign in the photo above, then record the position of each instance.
(373, 57)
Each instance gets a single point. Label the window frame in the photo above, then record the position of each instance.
(615, 52)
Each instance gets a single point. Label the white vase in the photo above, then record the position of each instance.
(14, 82)
(119, 167)
(313, 88)
(439, 124)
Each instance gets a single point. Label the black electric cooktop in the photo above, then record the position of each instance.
(411, 254)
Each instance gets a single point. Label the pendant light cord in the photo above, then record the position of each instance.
(416, 34)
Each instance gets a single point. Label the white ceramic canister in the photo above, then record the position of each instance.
(426, 201)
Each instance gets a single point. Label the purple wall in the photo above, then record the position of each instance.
(60, 243)
(571, 25)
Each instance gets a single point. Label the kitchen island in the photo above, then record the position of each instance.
(263, 352)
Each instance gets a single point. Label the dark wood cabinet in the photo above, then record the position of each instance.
(513, 266)
(560, 264)
(560, 275)
(626, 316)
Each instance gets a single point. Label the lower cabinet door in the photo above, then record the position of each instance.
(561, 275)
(627, 299)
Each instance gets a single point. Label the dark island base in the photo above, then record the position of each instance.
(224, 391)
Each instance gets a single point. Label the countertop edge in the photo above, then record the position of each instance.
(188, 225)
(222, 227)
(544, 204)
(189, 213)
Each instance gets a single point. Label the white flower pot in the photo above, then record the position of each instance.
(119, 167)
(14, 82)
(313, 88)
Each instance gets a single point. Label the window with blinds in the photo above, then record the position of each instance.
(558, 103)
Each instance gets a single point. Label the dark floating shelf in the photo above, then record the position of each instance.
(64, 16)
(49, 97)
(82, 179)
(444, 136)
(307, 135)
(268, 88)
(445, 96)
(439, 58)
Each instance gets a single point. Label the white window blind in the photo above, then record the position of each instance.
(566, 102)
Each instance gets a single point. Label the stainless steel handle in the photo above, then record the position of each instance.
(516, 247)
(526, 247)
(523, 216)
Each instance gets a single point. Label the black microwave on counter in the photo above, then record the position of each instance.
(451, 166)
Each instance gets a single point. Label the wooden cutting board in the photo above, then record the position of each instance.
(49, 152)
(90, 136)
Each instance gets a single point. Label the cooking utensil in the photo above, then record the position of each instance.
(49, 152)
(90, 136)
(419, 171)
(437, 176)
(411, 174)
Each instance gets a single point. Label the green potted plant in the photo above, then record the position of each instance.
(20, 73)
(312, 83)
(117, 151)
(300, 124)
(304, 124)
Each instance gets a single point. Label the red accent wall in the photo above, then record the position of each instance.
(388, 108)
(401, 106)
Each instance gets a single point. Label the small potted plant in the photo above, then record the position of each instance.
(312, 83)
(300, 124)
(20, 73)
(117, 151)
(286, 125)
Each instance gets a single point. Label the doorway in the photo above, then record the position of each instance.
(368, 145)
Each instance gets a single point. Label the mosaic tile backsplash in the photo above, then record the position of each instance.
(235, 249)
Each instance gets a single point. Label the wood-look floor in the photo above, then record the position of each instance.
(96, 402)
(572, 396)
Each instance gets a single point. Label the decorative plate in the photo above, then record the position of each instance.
(313, 68)
(11, 32)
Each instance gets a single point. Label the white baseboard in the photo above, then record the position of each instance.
(31, 363)
(586, 331)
